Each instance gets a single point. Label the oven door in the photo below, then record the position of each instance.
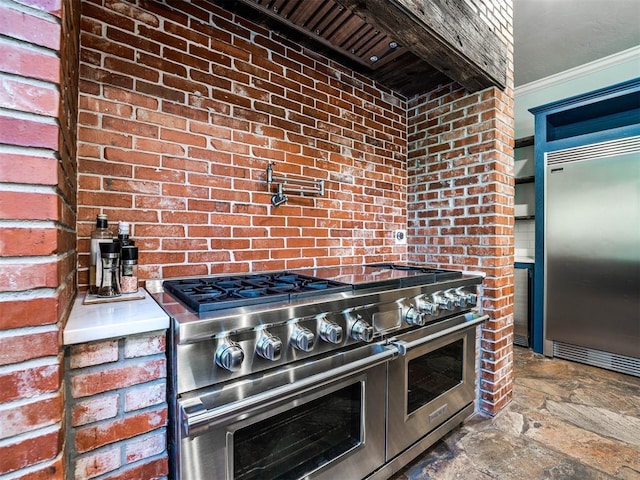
(322, 420)
(432, 379)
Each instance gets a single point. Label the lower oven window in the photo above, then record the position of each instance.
(298, 441)
(434, 373)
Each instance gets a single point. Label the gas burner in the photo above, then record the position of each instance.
(205, 294)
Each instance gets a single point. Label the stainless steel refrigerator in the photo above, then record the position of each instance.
(592, 253)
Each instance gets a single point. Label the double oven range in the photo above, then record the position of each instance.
(337, 372)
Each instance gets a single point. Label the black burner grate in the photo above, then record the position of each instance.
(204, 294)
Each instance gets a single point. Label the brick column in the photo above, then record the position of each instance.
(117, 409)
(461, 210)
(38, 115)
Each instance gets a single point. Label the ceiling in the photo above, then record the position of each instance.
(551, 36)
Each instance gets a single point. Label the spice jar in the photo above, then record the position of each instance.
(110, 284)
(129, 270)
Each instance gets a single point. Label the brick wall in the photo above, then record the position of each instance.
(460, 214)
(183, 108)
(38, 72)
(116, 409)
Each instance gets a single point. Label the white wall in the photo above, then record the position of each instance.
(525, 244)
(601, 73)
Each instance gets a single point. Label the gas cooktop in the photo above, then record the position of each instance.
(204, 294)
(215, 293)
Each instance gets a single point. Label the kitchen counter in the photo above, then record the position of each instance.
(525, 260)
(100, 321)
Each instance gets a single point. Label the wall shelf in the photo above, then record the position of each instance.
(527, 179)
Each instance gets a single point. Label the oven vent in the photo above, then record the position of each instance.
(594, 150)
(598, 358)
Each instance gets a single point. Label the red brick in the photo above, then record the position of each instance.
(96, 353)
(138, 397)
(26, 62)
(98, 463)
(28, 312)
(28, 133)
(18, 348)
(29, 382)
(94, 409)
(48, 470)
(107, 432)
(20, 277)
(28, 206)
(35, 170)
(86, 384)
(28, 242)
(29, 451)
(157, 468)
(25, 97)
(25, 417)
(145, 447)
(140, 346)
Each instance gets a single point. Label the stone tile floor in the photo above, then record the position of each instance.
(567, 421)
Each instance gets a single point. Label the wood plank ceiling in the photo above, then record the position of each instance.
(354, 40)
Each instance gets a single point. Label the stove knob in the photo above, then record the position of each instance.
(269, 346)
(443, 302)
(303, 339)
(361, 330)
(458, 300)
(426, 307)
(469, 298)
(229, 356)
(414, 317)
(330, 332)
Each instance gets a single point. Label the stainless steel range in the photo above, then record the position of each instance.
(345, 372)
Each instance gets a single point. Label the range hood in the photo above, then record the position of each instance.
(409, 46)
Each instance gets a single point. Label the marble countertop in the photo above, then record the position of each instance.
(91, 322)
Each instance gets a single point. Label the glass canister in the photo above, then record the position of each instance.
(129, 275)
(110, 284)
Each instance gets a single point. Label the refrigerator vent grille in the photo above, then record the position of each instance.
(595, 150)
(598, 358)
(521, 340)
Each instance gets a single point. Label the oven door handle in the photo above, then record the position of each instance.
(403, 347)
(203, 417)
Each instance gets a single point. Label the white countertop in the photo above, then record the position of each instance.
(100, 321)
(525, 260)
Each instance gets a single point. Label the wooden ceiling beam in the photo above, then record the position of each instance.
(446, 34)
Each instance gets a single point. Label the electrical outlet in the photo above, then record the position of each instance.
(401, 237)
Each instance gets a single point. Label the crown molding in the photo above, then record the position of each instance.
(579, 71)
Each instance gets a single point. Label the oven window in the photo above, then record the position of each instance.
(298, 441)
(433, 374)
